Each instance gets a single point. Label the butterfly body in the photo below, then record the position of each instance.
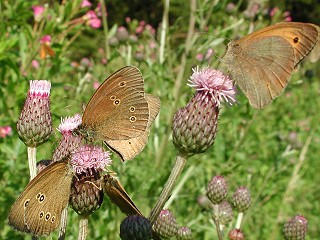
(262, 62)
(38, 209)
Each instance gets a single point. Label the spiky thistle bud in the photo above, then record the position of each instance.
(166, 225)
(135, 227)
(296, 228)
(195, 125)
(69, 142)
(122, 34)
(217, 189)
(35, 124)
(241, 199)
(88, 162)
(236, 234)
(184, 233)
(225, 213)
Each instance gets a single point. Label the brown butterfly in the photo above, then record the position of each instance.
(38, 209)
(261, 63)
(46, 50)
(120, 113)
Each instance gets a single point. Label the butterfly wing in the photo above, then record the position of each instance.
(113, 188)
(261, 68)
(130, 148)
(118, 109)
(301, 36)
(38, 208)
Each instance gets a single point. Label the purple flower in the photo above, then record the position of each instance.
(85, 3)
(38, 13)
(5, 131)
(213, 84)
(90, 157)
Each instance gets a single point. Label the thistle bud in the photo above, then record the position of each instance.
(184, 233)
(295, 228)
(236, 234)
(217, 189)
(35, 124)
(225, 213)
(241, 199)
(166, 225)
(195, 125)
(135, 227)
(88, 162)
(69, 142)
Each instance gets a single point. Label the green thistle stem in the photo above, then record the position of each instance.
(239, 220)
(167, 190)
(83, 227)
(63, 224)
(164, 27)
(32, 152)
(105, 29)
(216, 221)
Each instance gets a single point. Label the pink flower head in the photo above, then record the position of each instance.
(35, 64)
(139, 29)
(199, 57)
(273, 11)
(46, 39)
(5, 131)
(38, 13)
(96, 84)
(69, 123)
(142, 23)
(213, 84)
(128, 19)
(92, 19)
(150, 29)
(90, 157)
(39, 88)
(85, 3)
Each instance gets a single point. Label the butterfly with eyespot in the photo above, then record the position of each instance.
(38, 209)
(120, 113)
(261, 63)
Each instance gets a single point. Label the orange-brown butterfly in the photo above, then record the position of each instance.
(120, 113)
(261, 63)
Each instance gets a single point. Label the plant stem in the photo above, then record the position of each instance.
(105, 29)
(63, 223)
(164, 26)
(167, 190)
(83, 227)
(189, 42)
(239, 220)
(216, 220)
(32, 152)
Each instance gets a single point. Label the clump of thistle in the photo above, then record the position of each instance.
(35, 124)
(195, 125)
(135, 227)
(166, 225)
(296, 228)
(69, 142)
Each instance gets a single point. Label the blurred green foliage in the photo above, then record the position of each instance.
(255, 148)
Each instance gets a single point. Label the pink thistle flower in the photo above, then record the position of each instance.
(91, 19)
(166, 225)
(96, 84)
(90, 158)
(150, 29)
(128, 19)
(142, 23)
(85, 3)
(213, 84)
(199, 57)
(139, 29)
(5, 131)
(35, 125)
(296, 228)
(35, 64)
(69, 142)
(38, 13)
(273, 11)
(95, 23)
(46, 39)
